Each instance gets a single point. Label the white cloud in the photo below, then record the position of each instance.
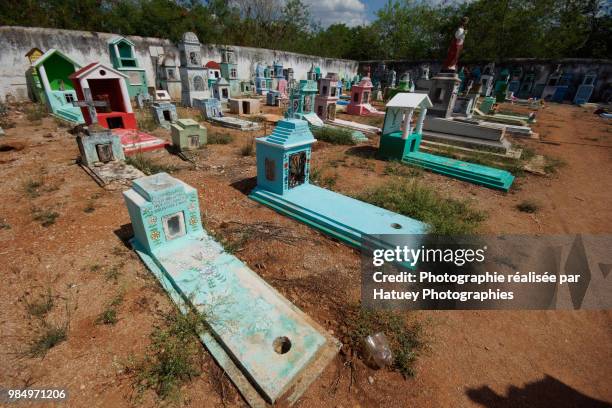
(327, 12)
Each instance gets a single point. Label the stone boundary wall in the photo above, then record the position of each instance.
(543, 68)
(85, 47)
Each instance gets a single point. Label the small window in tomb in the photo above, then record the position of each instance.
(134, 78)
(174, 225)
(216, 74)
(331, 111)
(333, 91)
(69, 98)
(439, 96)
(167, 116)
(198, 83)
(105, 152)
(193, 58)
(115, 122)
(297, 169)
(170, 74)
(233, 73)
(366, 97)
(320, 110)
(307, 104)
(324, 90)
(224, 93)
(194, 141)
(270, 169)
(355, 97)
(412, 144)
(245, 108)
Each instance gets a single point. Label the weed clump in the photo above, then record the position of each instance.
(406, 340)
(219, 138)
(333, 135)
(446, 216)
(172, 358)
(50, 336)
(148, 166)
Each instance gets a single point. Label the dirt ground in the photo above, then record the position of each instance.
(474, 358)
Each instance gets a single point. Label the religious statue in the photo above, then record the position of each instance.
(450, 64)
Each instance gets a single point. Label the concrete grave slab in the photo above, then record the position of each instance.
(270, 349)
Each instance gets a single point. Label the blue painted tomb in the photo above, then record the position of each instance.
(283, 171)
(268, 347)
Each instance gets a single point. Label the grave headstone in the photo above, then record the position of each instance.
(143, 100)
(302, 102)
(585, 90)
(361, 97)
(161, 95)
(273, 98)
(271, 350)
(102, 156)
(169, 79)
(261, 84)
(221, 90)
(164, 113)
(325, 101)
(211, 108)
(487, 79)
(229, 70)
(187, 134)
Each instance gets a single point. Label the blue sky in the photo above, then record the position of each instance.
(355, 12)
(350, 12)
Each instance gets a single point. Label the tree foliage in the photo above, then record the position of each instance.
(403, 29)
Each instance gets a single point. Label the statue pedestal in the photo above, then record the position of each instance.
(443, 93)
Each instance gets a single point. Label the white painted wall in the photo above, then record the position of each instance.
(85, 47)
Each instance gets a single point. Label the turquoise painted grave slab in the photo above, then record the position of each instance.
(393, 146)
(283, 172)
(342, 217)
(474, 173)
(262, 339)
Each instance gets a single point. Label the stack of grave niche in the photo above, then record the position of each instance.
(326, 105)
(268, 348)
(123, 58)
(193, 75)
(302, 100)
(102, 157)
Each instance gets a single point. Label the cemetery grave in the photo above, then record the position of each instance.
(322, 298)
(239, 228)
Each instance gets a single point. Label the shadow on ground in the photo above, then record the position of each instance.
(545, 393)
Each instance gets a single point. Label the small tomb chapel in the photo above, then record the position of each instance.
(123, 58)
(105, 91)
(53, 69)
